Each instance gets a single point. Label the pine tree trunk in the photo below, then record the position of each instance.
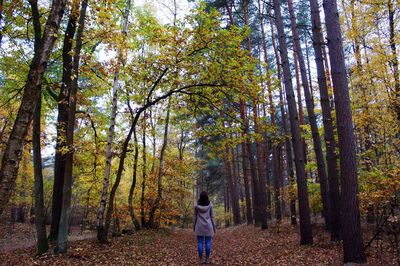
(312, 120)
(305, 224)
(13, 151)
(235, 179)
(351, 226)
(251, 213)
(288, 147)
(330, 143)
(245, 166)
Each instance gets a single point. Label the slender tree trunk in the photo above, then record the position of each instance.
(351, 226)
(133, 185)
(40, 215)
(1, 18)
(261, 170)
(312, 120)
(144, 173)
(233, 187)
(110, 136)
(251, 213)
(245, 166)
(236, 189)
(161, 169)
(62, 123)
(288, 147)
(62, 240)
(13, 151)
(107, 222)
(330, 143)
(394, 60)
(305, 224)
(259, 186)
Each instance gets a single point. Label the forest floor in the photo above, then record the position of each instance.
(237, 245)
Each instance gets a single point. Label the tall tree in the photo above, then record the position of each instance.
(110, 133)
(351, 226)
(312, 119)
(161, 169)
(304, 209)
(40, 216)
(288, 147)
(395, 60)
(330, 143)
(32, 89)
(62, 121)
(62, 240)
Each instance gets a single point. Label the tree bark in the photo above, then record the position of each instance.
(251, 213)
(330, 143)
(144, 173)
(133, 185)
(305, 224)
(312, 120)
(13, 151)
(395, 60)
(160, 170)
(351, 226)
(288, 147)
(42, 244)
(110, 136)
(62, 123)
(62, 241)
(40, 214)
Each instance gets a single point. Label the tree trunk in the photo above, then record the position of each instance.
(13, 151)
(62, 122)
(144, 173)
(305, 224)
(161, 169)
(351, 227)
(62, 241)
(42, 244)
(394, 60)
(251, 214)
(133, 185)
(330, 143)
(245, 166)
(312, 120)
(288, 147)
(103, 200)
(233, 188)
(40, 214)
(236, 189)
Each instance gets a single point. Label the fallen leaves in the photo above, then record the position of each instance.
(238, 245)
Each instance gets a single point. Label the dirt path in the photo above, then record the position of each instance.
(239, 245)
(19, 236)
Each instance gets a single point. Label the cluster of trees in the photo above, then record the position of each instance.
(144, 116)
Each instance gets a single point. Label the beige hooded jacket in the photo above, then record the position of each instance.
(204, 224)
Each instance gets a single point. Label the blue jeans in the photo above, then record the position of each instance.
(200, 244)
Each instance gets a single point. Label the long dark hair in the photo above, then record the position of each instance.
(203, 200)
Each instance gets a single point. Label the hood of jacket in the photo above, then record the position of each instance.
(203, 209)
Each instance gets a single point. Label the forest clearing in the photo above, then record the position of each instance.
(183, 132)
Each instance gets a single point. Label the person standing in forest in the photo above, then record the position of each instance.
(204, 225)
